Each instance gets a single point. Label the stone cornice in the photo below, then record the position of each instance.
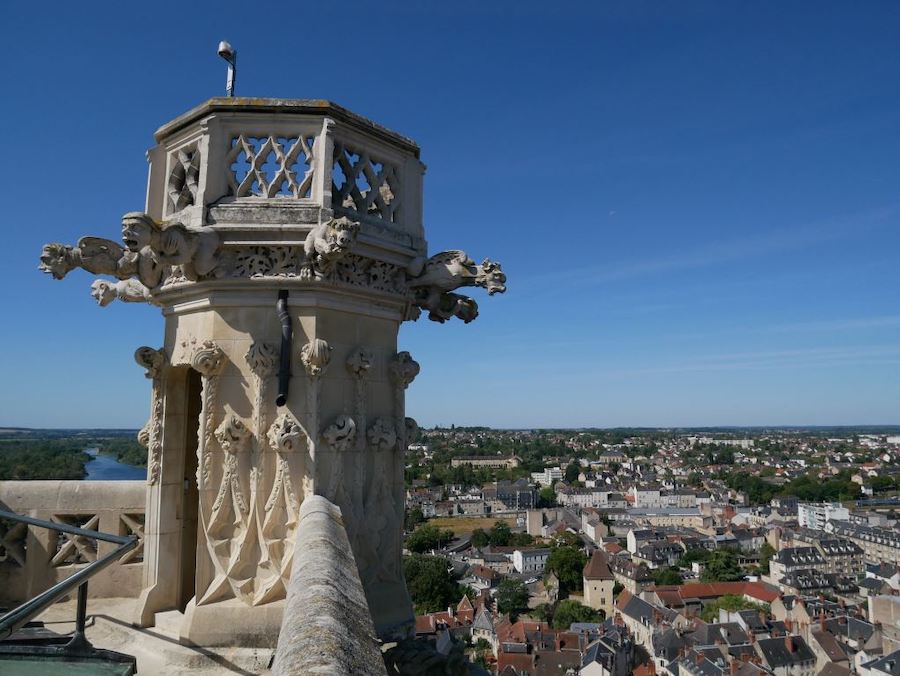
(267, 106)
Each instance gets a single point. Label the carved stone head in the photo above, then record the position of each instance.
(491, 276)
(137, 230)
(56, 260)
(340, 235)
(103, 291)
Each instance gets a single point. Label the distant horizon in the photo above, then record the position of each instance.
(673, 428)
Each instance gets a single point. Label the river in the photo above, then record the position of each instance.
(107, 468)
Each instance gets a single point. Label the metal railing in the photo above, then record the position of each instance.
(18, 617)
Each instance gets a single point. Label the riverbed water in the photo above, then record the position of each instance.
(107, 468)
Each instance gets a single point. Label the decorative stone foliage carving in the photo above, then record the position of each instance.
(340, 434)
(359, 362)
(382, 435)
(403, 369)
(232, 435)
(208, 359)
(326, 245)
(266, 261)
(433, 281)
(262, 358)
(153, 361)
(368, 273)
(315, 357)
(249, 157)
(285, 435)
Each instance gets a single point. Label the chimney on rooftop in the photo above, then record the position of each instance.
(790, 644)
(733, 667)
(698, 658)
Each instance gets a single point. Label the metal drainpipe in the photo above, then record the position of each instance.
(287, 333)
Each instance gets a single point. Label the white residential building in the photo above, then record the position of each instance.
(530, 560)
(815, 515)
(548, 477)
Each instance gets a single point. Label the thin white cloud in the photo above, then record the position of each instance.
(715, 253)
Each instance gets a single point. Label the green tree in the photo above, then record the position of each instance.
(480, 538)
(512, 597)
(427, 537)
(431, 585)
(569, 611)
(567, 563)
(572, 472)
(547, 497)
(667, 576)
(722, 567)
(500, 534)
(413, 518)
(766, 552)
(521, 540)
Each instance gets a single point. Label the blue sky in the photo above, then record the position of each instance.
(696, 203)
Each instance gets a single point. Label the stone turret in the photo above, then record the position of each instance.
(253, 203)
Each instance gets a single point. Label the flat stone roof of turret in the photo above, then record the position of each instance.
(246, 104)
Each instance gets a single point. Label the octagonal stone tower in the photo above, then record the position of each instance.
(283, 242)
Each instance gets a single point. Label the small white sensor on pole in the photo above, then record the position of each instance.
(229, 53)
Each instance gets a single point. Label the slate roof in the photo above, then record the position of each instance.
(730, 633)
(889, 664)
(776, 654)
(851, 627)
(807, 557)
(830, 645)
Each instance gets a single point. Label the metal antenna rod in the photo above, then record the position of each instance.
(229, 53)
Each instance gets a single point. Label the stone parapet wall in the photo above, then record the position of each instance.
(327, 626)
(33, 559)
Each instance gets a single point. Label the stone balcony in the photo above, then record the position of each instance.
(262, 171)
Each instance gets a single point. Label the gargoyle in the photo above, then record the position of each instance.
(151, 252)
(433, 281)
(325, 245)
(126, 290)
(94, 254)
(170, 245)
